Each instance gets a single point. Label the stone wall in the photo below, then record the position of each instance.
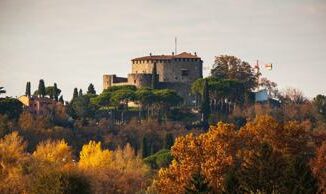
(140, 80)
(111, 80)
(173, 70)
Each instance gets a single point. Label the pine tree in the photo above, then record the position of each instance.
(205, 105)
(28, 89)
(198, 185)
(41, 88)
(61, 99)
(91, 89)
(55, 92)
(75, 95)
(154, 77)
(80, 93)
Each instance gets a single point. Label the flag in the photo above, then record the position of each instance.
(269, 66)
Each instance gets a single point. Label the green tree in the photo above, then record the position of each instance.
(145, 98)
(75, 94)
(81, 107)
(11, 107)
(123, 96)
(28, 89)
(102, 100)
(91, 89)
(205, 109)
(41, 88)
(319, 103)
(80, 93)
(55, 92)
(49, 91)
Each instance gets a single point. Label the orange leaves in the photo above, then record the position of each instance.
(209, 153)
(262, 143)
(318, 165)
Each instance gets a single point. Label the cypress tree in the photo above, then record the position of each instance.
(75, 95)
(41, 88)
(154, 77)
(205, 105)
(55, 92)
(91, 89)
(80, 92)
(28, 89)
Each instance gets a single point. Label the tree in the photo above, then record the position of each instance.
(2, 91)
(319, 103)
(49, 91)
(205, 105)
(41, 88)
(318, 166)
(91, 89)
(28, 89)
(12, 162)
(270, 86)
(54, 152)
(230, 67)
(75, 94)
(81, 107)
(209, 153)
(198, 185)
(292, 95)
(263, 171)
(80, 93)
(93, 156)
(11, 107)
(55, 93)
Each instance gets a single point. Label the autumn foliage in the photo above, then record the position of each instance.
(259, 157)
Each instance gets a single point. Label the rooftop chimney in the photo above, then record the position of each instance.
(195, 53)
(150, 54)
(172, 53)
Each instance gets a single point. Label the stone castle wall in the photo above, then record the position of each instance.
(174, 70)
(140, 80)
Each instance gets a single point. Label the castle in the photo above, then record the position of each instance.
(176, 71)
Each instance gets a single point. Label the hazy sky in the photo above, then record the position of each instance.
(74, 42)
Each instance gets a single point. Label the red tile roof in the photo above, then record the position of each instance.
(183, 55)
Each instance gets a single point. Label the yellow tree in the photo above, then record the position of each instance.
(12, 160)
(55, 152)
(93, 156)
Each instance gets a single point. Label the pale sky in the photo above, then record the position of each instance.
(75, 42)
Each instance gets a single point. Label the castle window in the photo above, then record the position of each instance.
(134, 81)
(184, 72)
